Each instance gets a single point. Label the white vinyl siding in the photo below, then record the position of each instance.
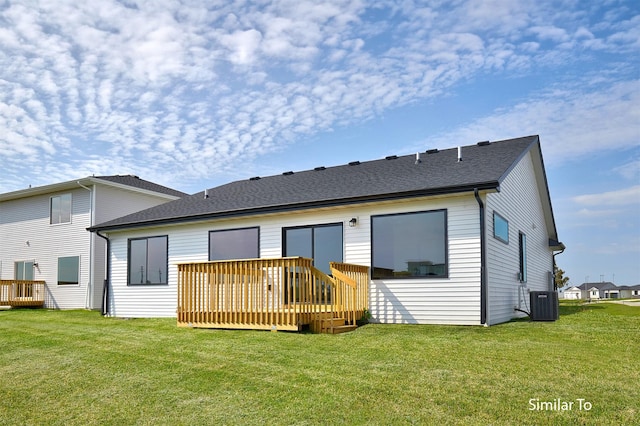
(27, 234)
(519, 203)
(455, 299)
(111, 203)
(25, 224)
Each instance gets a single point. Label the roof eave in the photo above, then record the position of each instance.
(133, 188)
(484, 186)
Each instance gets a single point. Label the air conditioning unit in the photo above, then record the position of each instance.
(544, 305)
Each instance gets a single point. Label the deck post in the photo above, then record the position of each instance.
(278, 293)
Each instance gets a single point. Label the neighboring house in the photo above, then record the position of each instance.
(625, 292)
(43, 233)
(572, 293)
(635, 290)
(455, 236)
(599, 290)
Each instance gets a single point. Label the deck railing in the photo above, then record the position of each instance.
(21, 293)
(277, 294)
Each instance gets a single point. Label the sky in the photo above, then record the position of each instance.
(196, 94)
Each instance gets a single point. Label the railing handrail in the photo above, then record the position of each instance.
(22, 292)
(344, 277)
(268, 293)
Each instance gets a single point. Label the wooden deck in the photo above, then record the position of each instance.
(271, 294)
(19, 293)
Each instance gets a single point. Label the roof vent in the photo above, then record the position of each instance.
(255, 178)
(391, 157)
(206, 194)
(418, 160)
(484, 143)
(432, 151)
(354, 163)
(289, 173)
(317, 169)
(459, 153)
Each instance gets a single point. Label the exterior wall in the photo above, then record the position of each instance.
(519, 203)
(27, 220)
(453, 300)
(26, 234)
(572, 294)
(111, 203)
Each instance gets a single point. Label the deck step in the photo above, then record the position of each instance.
(332, 326)
(332, 322)
(342, 329)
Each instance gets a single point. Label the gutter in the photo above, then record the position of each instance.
(105, 288)
(283, 208)
(483, 260)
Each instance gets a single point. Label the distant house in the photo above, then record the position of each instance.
(599, 290)
(572, 293)
(455, 236)
(635, 290)
(43, 234)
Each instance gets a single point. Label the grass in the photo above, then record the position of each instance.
(76, 367)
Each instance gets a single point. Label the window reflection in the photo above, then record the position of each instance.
(409, 245)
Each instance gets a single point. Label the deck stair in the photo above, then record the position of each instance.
(329, 324)
(277, 294)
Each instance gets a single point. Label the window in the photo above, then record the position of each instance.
(23, 270)
(234, 244)
(68, 270)
(148, 259)
(500, 228)
(409, 245)
(322, 243)
(522, 240)
(60, 209)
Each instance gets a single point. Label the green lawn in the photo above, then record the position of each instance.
(76, 367)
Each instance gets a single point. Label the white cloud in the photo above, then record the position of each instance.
(620, 197)
(574, 121)
(629, 170)
(161, 85)
(243, 45)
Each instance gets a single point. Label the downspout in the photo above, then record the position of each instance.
(105, 288)
(483, 260)
(553, 268)
(90, 286)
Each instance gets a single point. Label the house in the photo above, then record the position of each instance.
(573, 293)
(453, 236)
(43, 236)
(635, 291)
(599, 290)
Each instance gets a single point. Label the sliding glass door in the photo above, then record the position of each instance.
(322, 243)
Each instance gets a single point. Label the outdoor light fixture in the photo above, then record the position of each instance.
(352, 222)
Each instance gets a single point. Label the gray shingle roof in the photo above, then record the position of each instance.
(604, 285)
(136, 182)
(483, 166)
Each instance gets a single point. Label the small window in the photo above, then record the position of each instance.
(60, 209)
(231, 244)
(409, 245)
(148, 260)
(523, 257)
(500, 228)
(68, 270)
